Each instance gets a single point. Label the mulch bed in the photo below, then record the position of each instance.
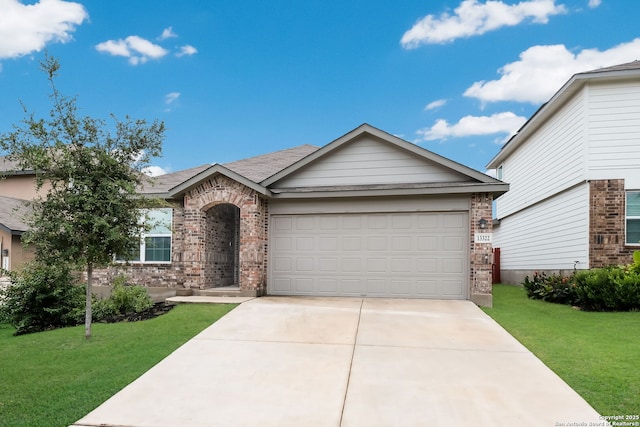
(158, 309)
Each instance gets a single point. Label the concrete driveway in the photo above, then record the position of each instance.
(280, 361)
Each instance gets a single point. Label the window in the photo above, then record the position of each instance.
(633, 218)
(499, 173)
(155, 244)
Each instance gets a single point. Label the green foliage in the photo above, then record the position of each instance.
(554, 288)
(612, 288)
(42, 297)
(90, 173)
(124, 299)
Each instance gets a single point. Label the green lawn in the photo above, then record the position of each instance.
(597, 354)
(54, 378)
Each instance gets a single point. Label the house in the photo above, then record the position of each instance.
(574, 176)
(368, 214)
(15, 188)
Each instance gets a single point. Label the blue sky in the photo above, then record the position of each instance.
(234, 79)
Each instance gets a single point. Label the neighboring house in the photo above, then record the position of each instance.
(15, 188)
(574, 176)
(12, 252)
(369, 214)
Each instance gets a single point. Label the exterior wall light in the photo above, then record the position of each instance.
(482, 224)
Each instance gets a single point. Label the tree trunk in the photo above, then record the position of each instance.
(88, 314)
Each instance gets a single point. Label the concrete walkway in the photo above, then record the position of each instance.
(280, 361)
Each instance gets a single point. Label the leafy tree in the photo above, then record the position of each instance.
(89, 174)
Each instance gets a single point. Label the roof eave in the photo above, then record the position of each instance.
(568, 90)
(306, 193)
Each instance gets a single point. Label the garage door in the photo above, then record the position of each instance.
(407, 255)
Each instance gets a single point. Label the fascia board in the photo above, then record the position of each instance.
(216, 169)
(495, 189)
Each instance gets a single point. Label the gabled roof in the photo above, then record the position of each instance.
(263, 172)
(478, 179)
(630, 70)
(12, 213)
(249, 171)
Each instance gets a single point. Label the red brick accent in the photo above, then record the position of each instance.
(607, 224)
(481, 253)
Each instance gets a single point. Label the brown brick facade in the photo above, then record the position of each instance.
(220, 190)
(481, 253)
(220, 238)
(607, 224)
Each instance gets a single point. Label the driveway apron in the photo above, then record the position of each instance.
(297, 361)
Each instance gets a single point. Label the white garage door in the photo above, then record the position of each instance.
(408, 255)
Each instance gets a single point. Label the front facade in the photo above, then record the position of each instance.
(366, 215)
(573, 170)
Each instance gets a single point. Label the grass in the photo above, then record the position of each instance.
(597, 354)
(55, 378)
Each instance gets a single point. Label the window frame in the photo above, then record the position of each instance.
(141, 259)
(628, 217)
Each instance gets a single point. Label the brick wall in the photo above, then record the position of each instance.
(607, 224)
(252, 238)
(481, 253)
(169, 275)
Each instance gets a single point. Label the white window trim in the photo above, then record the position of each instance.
(142, 246)
(626, 218)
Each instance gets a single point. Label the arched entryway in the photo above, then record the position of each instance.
(222, 244)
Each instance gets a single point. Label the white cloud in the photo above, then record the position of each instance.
(154, 171)
(171, 97)
(186, 50)
(507, 123)
(542, 70)
(435, 104)
(137, 49)
(25, 28)
(594, 3)
(474, 18)
(167, 33)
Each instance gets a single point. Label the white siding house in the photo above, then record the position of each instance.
(574, 172)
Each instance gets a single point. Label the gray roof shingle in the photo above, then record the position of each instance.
(634, 65)
(259, 168)
(256, 169)
(12, 213)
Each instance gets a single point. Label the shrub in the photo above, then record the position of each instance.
(42, 297)
(124, 299)
(613, 288)
(554, 288)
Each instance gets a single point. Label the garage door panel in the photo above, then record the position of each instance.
(452, 265)
(304, 265)
(352, 265)
(407, 254)
(376, 265)
(428, 243)
(451, 288)
(305, 244)
(282, 264)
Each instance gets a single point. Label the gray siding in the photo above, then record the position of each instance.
(551, 235)
(368, 160)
